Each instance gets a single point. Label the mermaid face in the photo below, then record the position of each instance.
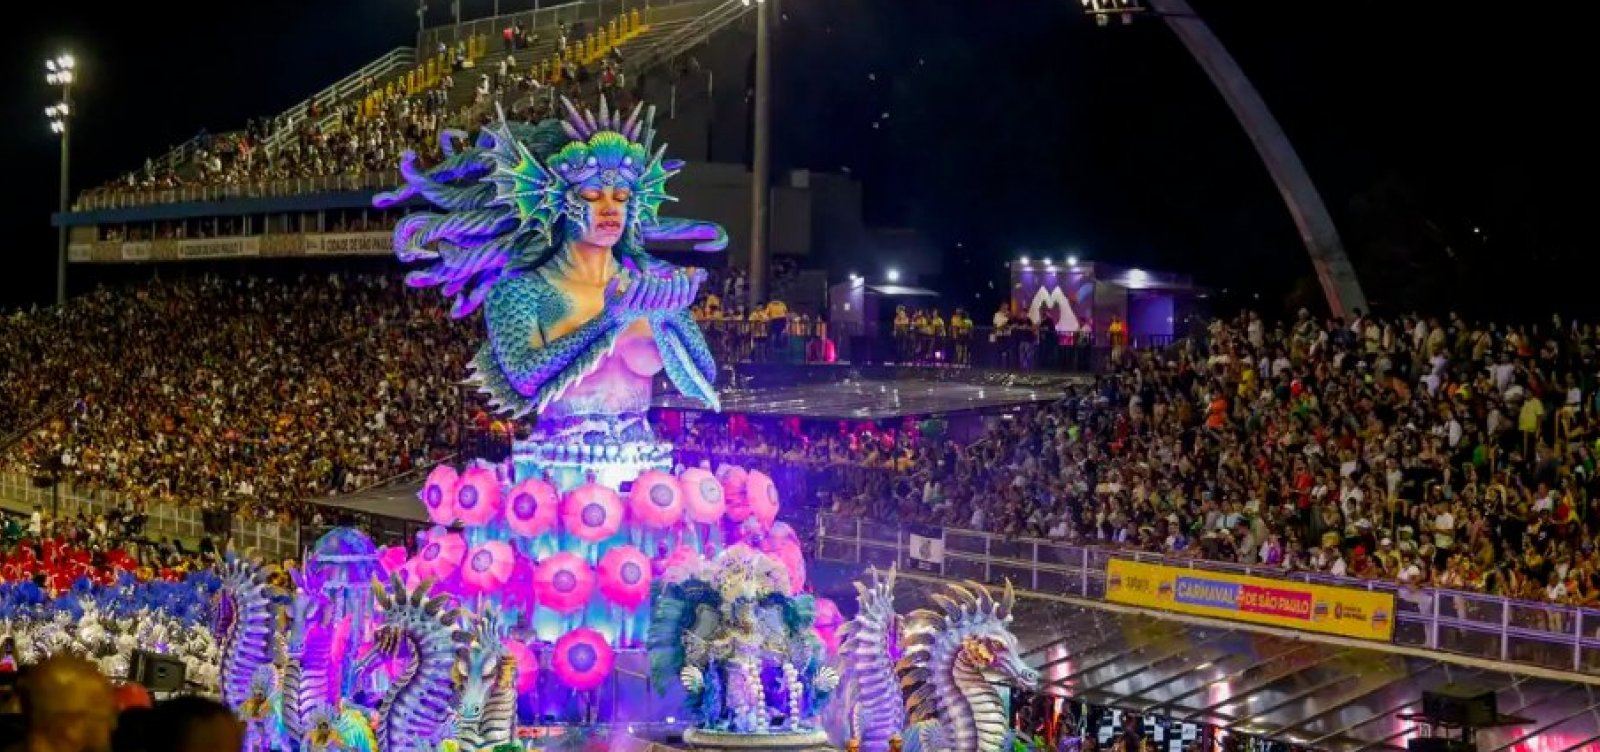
(605, 213)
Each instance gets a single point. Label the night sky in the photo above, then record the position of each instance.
(1451, 141)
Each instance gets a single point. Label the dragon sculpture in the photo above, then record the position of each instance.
(486, 714)
(420, 632)
(244, 622)
(954, 657)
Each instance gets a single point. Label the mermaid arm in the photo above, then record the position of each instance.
(519, 368)
(686, 357)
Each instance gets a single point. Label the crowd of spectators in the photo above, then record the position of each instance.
(1422, 450)
(57, 551)
(247, 393)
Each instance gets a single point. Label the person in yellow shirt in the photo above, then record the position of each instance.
(902, 333)
(961, 333)
(758, 331)
(778, 324)
(712, 306)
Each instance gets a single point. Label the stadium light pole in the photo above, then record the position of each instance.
(1334, 270)
(761, 156)
(59, 72)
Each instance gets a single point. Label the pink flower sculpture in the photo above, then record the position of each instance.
(527, 664)
(532, 507)
(441, 556)
(488, 567)
(703, 499)
(477, 496)
(656, 500)
(563, 583)
(625, 577)
(439, 494)
(734, 480)
(582, 659)
(592, 512)
(761, 496)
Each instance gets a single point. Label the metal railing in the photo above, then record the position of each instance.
(545, 18)
(162, 520)
(115, 198)
(667, 46)
(1491, 627)
(734, 341)
(394, 61)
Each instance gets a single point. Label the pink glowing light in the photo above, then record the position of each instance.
(703, 498)
(761, 496)
(827, 623)
(488, 567)
(532, 507)
(734, 481)
(592, 512)
(392, 558)
(527, 664)
(625, 577)
(563, 583)
(794, 562)
(439, 494)
(681, 564)
(656, 500)
(440, 558)
(582, 659)
(477, 496)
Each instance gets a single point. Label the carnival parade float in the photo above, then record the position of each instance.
(585, 582)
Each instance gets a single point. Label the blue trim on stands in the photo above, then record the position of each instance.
(224, 208)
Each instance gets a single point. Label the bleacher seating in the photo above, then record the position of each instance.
(445, 80)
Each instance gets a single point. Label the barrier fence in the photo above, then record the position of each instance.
(1528, 633)
(162, 520)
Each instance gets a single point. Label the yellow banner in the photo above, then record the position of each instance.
(1314, 608)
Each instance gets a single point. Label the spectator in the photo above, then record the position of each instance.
(69, 707)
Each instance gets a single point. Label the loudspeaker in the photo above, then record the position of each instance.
(1460, 705)
(156, 672)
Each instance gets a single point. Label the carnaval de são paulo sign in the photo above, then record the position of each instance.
(1347, 612)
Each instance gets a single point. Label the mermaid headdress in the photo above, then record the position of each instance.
(505, 202)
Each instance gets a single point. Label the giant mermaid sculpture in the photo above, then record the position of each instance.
(545, 229)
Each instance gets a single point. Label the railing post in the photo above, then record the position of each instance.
(988, 561)
(1505, 628)
(1577, 639)
(1433, 624)
(858, 540)
(1083, 572)
(944, 549)
(1035, 568)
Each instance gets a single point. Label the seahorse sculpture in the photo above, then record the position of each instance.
(243, 625)
(309, 695)
(486, 714)
(422, 632)
(955, 658)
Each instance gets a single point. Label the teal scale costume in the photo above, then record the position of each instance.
(513, 204)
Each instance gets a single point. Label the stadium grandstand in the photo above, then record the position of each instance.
(273, 376)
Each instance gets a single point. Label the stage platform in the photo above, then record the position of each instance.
(817, 392)
(872, 399)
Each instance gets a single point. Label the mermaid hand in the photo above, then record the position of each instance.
(632, 295)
